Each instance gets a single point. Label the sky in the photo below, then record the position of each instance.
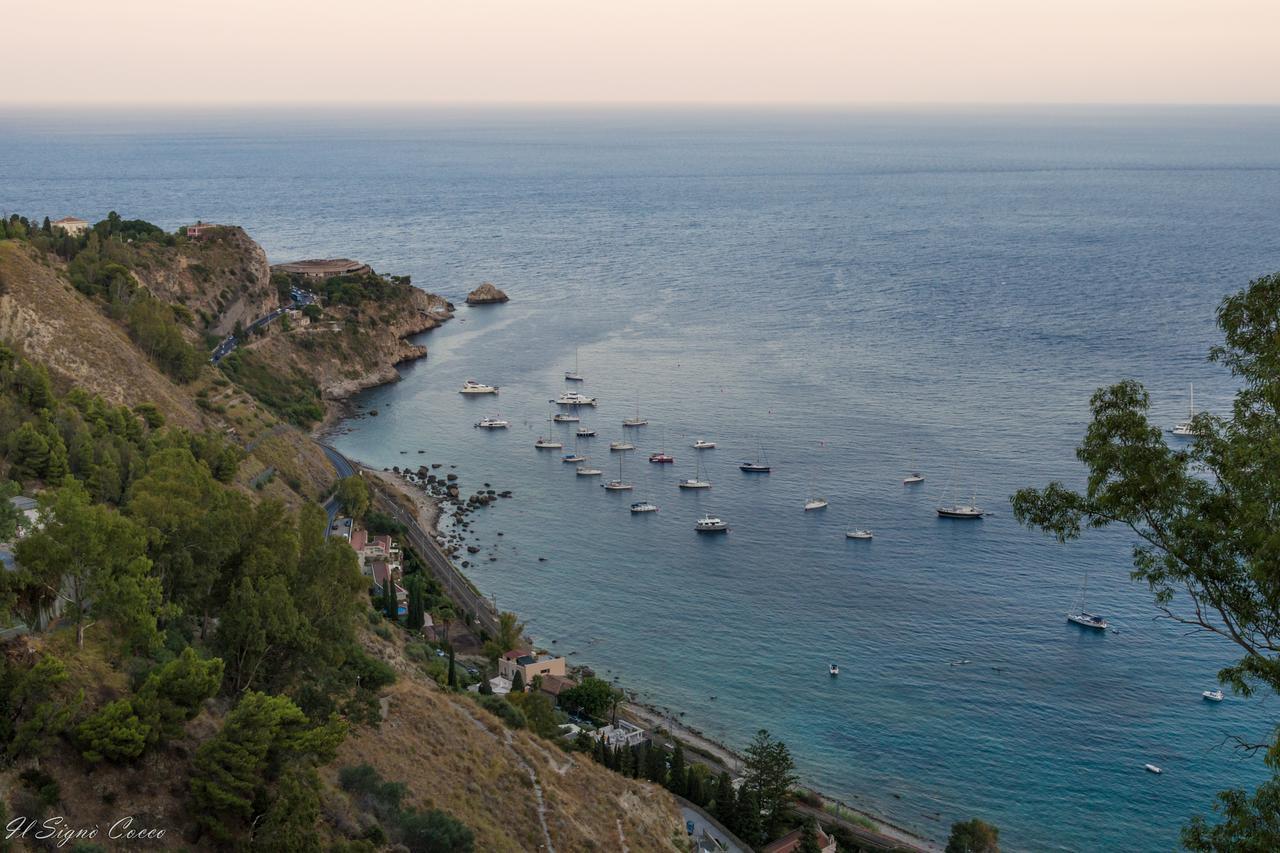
(752, 52)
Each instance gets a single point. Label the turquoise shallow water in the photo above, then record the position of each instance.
(864, 294)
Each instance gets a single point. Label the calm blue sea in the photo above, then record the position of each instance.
(863, 294)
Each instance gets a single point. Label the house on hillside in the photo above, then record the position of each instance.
(553, 685)
(621, 733)
(382, 548)
(70, 225)
(790, 842)
(530, 665)
(200, 230)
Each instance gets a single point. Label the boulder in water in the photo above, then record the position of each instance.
(486, 294)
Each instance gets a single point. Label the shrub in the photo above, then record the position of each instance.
(504, 710)
(114, 733)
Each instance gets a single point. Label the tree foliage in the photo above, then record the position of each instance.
(770, 776)
(1202, 514)
(973, 836)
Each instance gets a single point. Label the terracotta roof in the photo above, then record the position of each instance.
(69, 220)
(516, 654)
(359, 538)
(556, 684)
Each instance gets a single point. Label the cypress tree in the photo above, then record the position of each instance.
(747, 824)
(416, 616)
(389, 598)
(453, 673)
(724, 800)
(693, 787)
(655, 765)
(517, 683)
(676, 781)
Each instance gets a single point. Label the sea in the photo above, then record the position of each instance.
(854, 294)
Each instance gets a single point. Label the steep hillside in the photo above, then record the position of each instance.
(223, 277)
(49, 321)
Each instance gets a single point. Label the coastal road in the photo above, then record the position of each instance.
(704, 827)
(301, 298)
(438, 563)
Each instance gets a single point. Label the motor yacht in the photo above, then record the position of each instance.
(857, 534)
(473, 387)
(644, 506)
(815, 503)
(492, 423)
(710, 524)
(702, 444)
(661, 458)
(585, 432)
(1213, 695)
(912, 479)
(565, 418)
(573, 398)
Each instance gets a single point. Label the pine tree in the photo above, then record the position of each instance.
(693, 787)
(29, 453)
(289, 825)
(676, 781)
(655, 765)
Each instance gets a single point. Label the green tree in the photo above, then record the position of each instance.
(594, 697)
(655, 764)
(261, 736)
(748, 823)
(434, 831)
(973, 836)
(517, 682)
(539, 713)
(510, 632)
(174, 692)
(115, 733)
(453, 670)
(1202, 513)
(260, 630)
(770, 775)
(677, 779)
(289, 825)
(85, 553)
(9, 515)
(809, 838)
(416, 589)
(353, 495)
(35, 708)
(390, 607)
(28, 453)
(723, 800)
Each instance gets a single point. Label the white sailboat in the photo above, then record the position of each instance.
(621, 446)
(618, 485)
(970, 511)
(1187, 428)
(1079, 616)
(566, 417)
(760, 466)
(573, 375)
(585, 469)
(637, 421)
(857, 534)
(697, 481)
(548, 442)
(814, 501)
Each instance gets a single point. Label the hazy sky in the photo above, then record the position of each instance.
(735, 51)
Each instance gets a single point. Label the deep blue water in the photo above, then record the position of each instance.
(863, 294)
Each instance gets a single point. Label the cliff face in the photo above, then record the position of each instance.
(353, 348)
(223, 278)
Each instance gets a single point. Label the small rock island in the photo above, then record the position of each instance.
(486, 294)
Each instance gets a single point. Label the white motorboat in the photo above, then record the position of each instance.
(967, 511)
(573, 375)
(702, 444)
(1079, 616)
(710, 524)
(588, 471)
(696, 481)
(585, 432)
(833, 669)
(644, 506)
(621, 446)
(565, 418)
(1213, 695)
(573, 457)
(493, 423)
(1187, 428)
(815, 503)
(473, 387)
(857, 534)
(912, 479)
(573, 398)
(1151, 768)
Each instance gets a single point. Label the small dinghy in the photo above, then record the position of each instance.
(1213, 695)
(834, 669)
(912, 479)
(1151, 768)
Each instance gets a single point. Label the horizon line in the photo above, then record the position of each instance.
(600, 104)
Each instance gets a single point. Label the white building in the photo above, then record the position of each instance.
(71, 225)
(620, 734)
